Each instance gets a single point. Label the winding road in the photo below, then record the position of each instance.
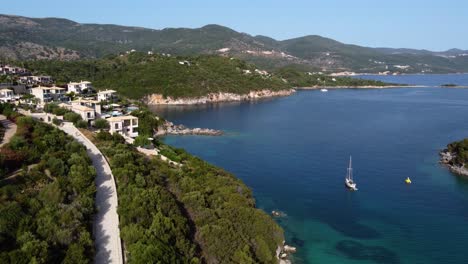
(106, 222)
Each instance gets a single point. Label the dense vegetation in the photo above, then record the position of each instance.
(136, 75)
(2, 132)
(197, 213)
(34, 38)
(460, 149)
(303, 79)
(46, 206)
(39, 38)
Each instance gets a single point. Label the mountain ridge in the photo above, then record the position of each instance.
(23, 38)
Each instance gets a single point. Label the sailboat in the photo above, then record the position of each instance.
(349, 182)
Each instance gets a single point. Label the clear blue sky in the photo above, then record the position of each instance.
(430, 24)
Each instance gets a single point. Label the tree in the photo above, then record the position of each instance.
(56, 121)
(72, 117)
(101, 124)
(142, 141)
(81, 124)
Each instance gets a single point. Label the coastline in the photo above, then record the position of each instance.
(170, 129)
(158, 99)
(446, 158)
(361, 87)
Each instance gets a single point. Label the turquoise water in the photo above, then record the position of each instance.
(293, 152)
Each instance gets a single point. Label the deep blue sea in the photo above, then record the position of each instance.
(293, 152)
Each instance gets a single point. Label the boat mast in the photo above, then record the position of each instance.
(350, 169)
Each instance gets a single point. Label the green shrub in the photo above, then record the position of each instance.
(81, 124)
(101, 124)
(72, 117)
(56, 121)
(142, 141)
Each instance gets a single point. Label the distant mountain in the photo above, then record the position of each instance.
(55, 38)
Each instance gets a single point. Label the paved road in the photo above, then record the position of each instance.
(10, 130)
(106, 222)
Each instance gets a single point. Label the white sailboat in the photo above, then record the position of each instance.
(349, 182)
(324, 90)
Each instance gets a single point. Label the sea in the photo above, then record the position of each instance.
(294, 151)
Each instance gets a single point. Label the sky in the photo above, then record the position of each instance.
(432, 24)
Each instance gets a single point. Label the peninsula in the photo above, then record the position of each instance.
(164, 79)
(455, 157)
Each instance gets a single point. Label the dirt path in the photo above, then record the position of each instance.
(10, 130)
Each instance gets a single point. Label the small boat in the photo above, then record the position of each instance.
(408, 180)
(349, 182)
(324, 90)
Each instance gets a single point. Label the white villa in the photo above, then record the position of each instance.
(7, 69)
(86, 113)
(93, 104)
(48, 94)
(78, 87)
(106, 95)
(31, 80)
(124, 125)
(7, 96)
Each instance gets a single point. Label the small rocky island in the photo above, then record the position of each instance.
(455, 156)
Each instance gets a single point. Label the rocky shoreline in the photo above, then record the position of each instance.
(170, 129)
(158, 99)
(447, 157)
(360, 87)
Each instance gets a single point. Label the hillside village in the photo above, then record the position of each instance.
(36, 92)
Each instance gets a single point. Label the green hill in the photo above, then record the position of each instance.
(136, 75)
(56, 38)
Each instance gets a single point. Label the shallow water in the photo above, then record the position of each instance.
(293, 152)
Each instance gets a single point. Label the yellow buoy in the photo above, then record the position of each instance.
(408, 181)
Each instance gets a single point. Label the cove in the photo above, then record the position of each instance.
(293, 152)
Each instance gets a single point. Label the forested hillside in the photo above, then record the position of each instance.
(24, 38)
(46, 196)
(136, 75)
(194, 214)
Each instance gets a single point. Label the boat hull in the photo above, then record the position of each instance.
(350, 185)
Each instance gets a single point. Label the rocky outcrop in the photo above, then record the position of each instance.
(170, 129)
(158, 99)
(447, 158)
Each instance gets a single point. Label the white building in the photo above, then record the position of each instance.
(124, 125)
(106, 95)
(48, 94)
(32, 80)
(86, 113)
(78, 87)
(7, 69)
(7, 96)
(93, 104)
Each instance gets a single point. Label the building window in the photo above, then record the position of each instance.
(116, 126)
